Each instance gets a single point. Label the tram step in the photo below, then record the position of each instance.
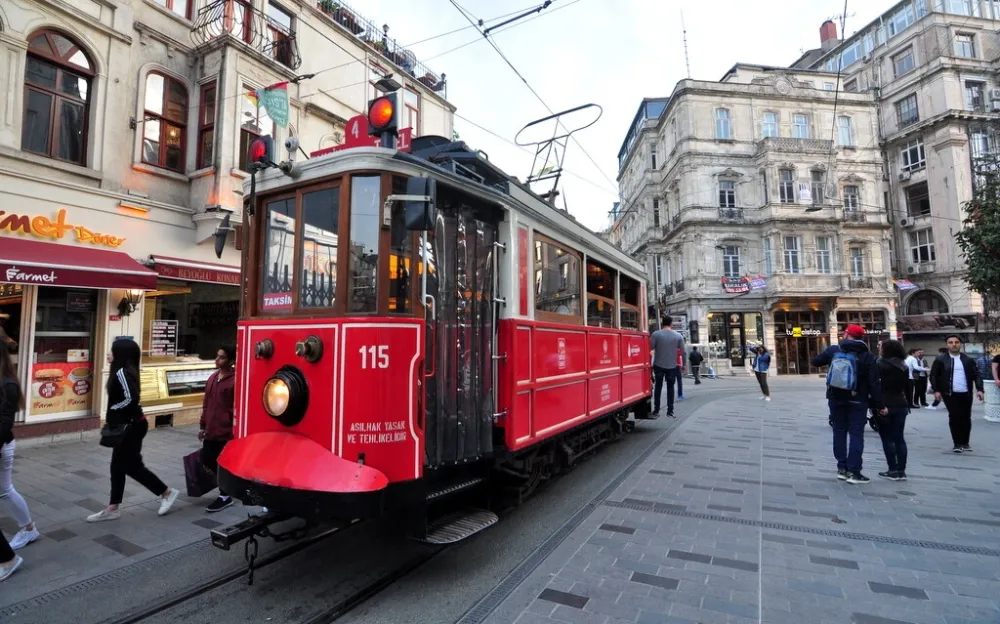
(457, 527)
(453, 488)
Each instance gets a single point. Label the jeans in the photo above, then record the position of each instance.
(12, 501)
(911, 394)
(762, 380)
(848, 417)
(694, 371)
(210, 451)
(680, 382)
(126, 460)
(959, 406)
(920, 391)
(891, 432)
(671, 374)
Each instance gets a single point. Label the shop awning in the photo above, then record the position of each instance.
(24, 261)
(193, 271)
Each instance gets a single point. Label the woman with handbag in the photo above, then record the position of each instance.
(895, 376)
(124, 430)
(12, 400)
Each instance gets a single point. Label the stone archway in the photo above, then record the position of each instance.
(926, 302)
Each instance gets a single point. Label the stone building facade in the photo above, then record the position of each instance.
(756, 201)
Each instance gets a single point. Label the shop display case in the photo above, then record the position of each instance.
(174, 386)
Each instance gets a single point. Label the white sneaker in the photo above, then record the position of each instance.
(930, 407)
(168, 502)
(104, 515)
(7, 569)
(762, 397)
(23, 538)
(767, 398)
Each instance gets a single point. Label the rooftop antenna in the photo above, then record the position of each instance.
(687, 61)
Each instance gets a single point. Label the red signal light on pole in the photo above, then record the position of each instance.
(261, 152)
(383, 115)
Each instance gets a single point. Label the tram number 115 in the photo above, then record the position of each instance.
(374, 356)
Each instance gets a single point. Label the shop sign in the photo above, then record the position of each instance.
(58, 387)
(798, 332)
(80, 301)
(41, 227)
(198, 275)
(737, 285)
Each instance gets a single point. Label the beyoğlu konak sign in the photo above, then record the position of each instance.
(42, 227)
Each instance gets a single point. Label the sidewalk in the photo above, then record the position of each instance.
(64, 483)
(739, 517)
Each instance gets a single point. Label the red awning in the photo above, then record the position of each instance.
(194, 271)
(24, 261)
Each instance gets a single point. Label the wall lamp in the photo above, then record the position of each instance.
(130, 300)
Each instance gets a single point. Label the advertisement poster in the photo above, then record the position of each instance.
(59, 387)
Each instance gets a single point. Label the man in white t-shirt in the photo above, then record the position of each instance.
(955, 377)
(913, 394)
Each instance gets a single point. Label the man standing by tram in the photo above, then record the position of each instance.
(665, 344)
(217, 417)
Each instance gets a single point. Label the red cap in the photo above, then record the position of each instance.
(855, 331)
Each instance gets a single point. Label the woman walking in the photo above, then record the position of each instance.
(896, 382)
(9, 562)
(12, 400)
(991, 383)
(760, 365)
(124, 409)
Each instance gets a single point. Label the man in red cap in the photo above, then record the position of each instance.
(852, 386)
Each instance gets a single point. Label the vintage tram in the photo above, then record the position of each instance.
(417, 323)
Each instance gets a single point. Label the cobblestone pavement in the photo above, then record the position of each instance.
(63, 483)
(739, 517)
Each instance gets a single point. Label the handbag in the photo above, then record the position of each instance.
(199, 479)
(112, 435)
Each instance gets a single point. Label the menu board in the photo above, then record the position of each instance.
(80, 301)
(163, 339)
(59, 387)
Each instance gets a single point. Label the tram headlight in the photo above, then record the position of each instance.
(286, 396)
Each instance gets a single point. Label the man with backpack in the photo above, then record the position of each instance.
(695, 358)
(852, 387)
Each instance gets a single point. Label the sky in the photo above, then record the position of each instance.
(608, 52)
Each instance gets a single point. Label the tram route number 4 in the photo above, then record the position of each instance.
(374, 356)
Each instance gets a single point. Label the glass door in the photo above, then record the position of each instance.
(62, 365)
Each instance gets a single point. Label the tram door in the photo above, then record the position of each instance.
(462, 280)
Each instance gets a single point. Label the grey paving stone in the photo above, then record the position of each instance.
(688, 556)
(563, 598)
(655, 580)
(833, 561)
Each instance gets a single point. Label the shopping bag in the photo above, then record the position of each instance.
(200, 480)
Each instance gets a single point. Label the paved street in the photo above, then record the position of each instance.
(739, 517)
(64, 483)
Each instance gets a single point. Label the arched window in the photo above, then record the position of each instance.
(926, 302)
(164, 128)
(58, 83)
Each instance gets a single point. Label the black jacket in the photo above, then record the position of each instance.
(123, 399)
(869, 388)
(10, 396)
(695, 358)
(894, 375)
(943, 369)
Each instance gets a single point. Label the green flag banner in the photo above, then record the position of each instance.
(274, 99)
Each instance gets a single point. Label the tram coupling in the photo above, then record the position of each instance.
(225, 537)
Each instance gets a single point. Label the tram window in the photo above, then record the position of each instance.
(320, 226)
(279, 251)
(557, 279)
(629, 297)
(363, 252)
(400, 255)
(600, 295)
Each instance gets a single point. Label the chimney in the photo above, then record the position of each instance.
(828, 36)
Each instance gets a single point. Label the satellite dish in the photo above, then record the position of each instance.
(221, 234)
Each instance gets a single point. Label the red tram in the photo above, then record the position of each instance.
(464, 331)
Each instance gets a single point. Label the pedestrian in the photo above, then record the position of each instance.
(760, 365)
(9, 561)
(680, 376)
(124, 408)
(216, 427)
(992, 388)
(664, 344)
(910, 361)
(12, 400)
(930, 382)
(894, 375)
(695, 358)
(852, 386)
(922, 380)
(955, 377)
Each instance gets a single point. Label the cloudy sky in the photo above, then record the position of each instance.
(609, 52)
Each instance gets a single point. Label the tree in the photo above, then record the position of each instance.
(979, 241)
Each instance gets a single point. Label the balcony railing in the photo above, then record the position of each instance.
(377, 37)
(679, 286)
(731, 214)
(668, 289)
(859, 283)
(249, 25)
(906, 122)
(853, 215)
(788, 144)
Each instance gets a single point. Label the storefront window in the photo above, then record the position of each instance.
(189, 321)
(872, 320)
(10, 315)
(279, 249)
(321, 224)
(62, 356)
(739, 332)
(798, 338)
(365, 194)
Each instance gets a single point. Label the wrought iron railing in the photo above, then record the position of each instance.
(731, 214)
(378, 38)
(790, 144)
(679, 286)
(859, 282)
(853, 215)
(242, 21)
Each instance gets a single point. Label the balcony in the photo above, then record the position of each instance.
(853, 215)
(859, 283)
(377, 37)
(797, 146)
(249, 25)
(731, 214)
(668, 290)
(679, 286)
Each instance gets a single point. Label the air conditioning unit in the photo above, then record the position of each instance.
(996, 104)
(927, 268)
(995, 94)
(904, 222)
(911, 269)
(904, 175)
